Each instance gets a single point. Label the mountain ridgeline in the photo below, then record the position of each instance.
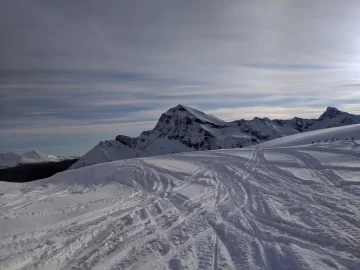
(182, 129)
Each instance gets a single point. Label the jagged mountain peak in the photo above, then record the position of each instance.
(331, 112)
(195, 115)
(332, 109)
(180, 107)
(262, 119)
(182, 129)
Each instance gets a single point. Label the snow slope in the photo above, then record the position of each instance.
(260, 208)
(11, 159)
(184, 129)
(316, 137)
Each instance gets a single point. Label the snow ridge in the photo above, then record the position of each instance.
(184, 129)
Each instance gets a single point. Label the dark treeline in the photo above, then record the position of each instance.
(34, 171)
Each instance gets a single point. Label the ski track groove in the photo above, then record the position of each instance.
(228, 213)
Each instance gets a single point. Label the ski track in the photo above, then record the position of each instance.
(229, 212)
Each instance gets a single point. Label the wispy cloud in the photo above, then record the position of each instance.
(75, 68)
(272, 112)
(287, 67)
(81, 129)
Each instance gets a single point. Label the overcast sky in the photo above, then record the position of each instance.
(73, 73)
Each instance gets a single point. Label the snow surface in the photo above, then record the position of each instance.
(11, 159)
(324, 135)
(289, 207)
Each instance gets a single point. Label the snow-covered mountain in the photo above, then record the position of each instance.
(333, 117)
(265, 207)
(11, 159)
(183, 129)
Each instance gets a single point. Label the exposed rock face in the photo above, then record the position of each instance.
(301, 124)
(183, 129)
(126, 140)
(333, 117)
(330, 112)
(187, 126)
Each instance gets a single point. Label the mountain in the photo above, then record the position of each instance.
(11, 159)
(259, 208)
(35, 155)
(333, 117)
(183, 129)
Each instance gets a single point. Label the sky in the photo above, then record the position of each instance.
(73, 73)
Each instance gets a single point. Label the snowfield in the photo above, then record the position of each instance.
(289, 207)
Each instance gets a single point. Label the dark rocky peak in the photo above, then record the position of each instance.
(128, 141)
(180, 107)
(257, 118)
(238, 122)
(302, 124)
(331, 112)
(263, 120)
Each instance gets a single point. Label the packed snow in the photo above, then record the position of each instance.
(288, 207)
(11, 159)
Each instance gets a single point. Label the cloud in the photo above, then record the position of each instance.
(81, 129)
(248, 113)
(287, 67)
(70, 64)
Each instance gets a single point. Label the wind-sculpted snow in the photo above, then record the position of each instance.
(260, 208)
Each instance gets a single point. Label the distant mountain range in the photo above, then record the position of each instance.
(182, 129)
(11, 159)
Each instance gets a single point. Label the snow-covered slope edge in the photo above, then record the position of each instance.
(11, 159)
(261, 208)
(345, 133)
(184, 129)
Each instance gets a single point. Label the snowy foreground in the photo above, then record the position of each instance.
(293, 207)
